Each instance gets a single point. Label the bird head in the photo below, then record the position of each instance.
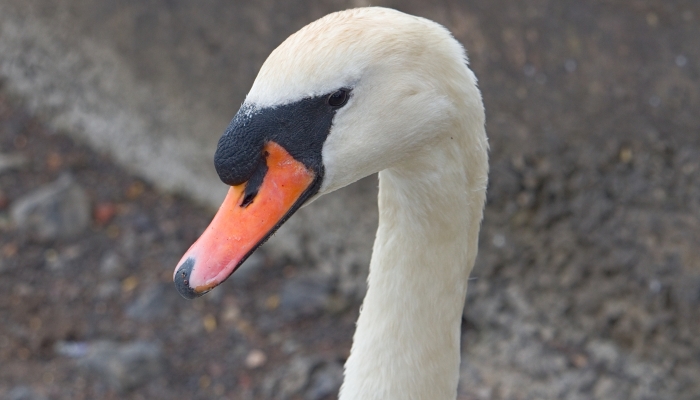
(348, 95)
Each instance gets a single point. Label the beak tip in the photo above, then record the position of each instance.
(182, 280)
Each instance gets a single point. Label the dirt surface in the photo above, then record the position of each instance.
(587, 283)
(114, 282)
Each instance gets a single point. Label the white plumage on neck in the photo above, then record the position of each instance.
(408, 335)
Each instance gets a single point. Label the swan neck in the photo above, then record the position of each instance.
(407, 342)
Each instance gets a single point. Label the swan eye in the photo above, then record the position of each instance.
(338, 98)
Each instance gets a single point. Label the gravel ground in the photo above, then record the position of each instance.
(587, 283)
(92, 313)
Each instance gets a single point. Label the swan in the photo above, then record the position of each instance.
(357, 92)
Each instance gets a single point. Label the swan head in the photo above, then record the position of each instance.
(348, 95)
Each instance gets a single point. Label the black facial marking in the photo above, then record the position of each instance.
(300, 128)
(254, 183)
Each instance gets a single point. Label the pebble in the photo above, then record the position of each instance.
(154, 302)
(106, 290)
(11, 161)
(123, 366)
(604, 353)
(255, 359)
(58, 210)
(307, 377)
(687, 290)
(112, 266)
(55, 260)
(247, 270)
(209, 322)
(71, 349)
(104, 212)
(296, 376)
(24, 393)
(325, 381)
(304, 295)
(681, 60)
(607, 388)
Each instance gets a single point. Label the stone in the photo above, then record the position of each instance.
(255, 359)
(123, 366)
(304, 295)
(58, 260)
(325, 381)
(686, 289)
(71, 349)
(247, 270)
(24, 393)
(293, 378)
(112, 266)
(55, 211)
(107, 290)
(153, 302)
(604, 353)
(11, 161)
(608, 388)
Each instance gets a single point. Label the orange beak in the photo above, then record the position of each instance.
(240, 226)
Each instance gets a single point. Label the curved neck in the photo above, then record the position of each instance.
(407, 342)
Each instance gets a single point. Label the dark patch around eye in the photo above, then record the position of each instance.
(300, 128)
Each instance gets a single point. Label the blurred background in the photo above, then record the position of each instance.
(587, 283)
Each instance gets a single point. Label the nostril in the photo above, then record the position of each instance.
(253, 185)
(248, 199)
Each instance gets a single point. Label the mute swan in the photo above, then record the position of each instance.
(356, 92)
